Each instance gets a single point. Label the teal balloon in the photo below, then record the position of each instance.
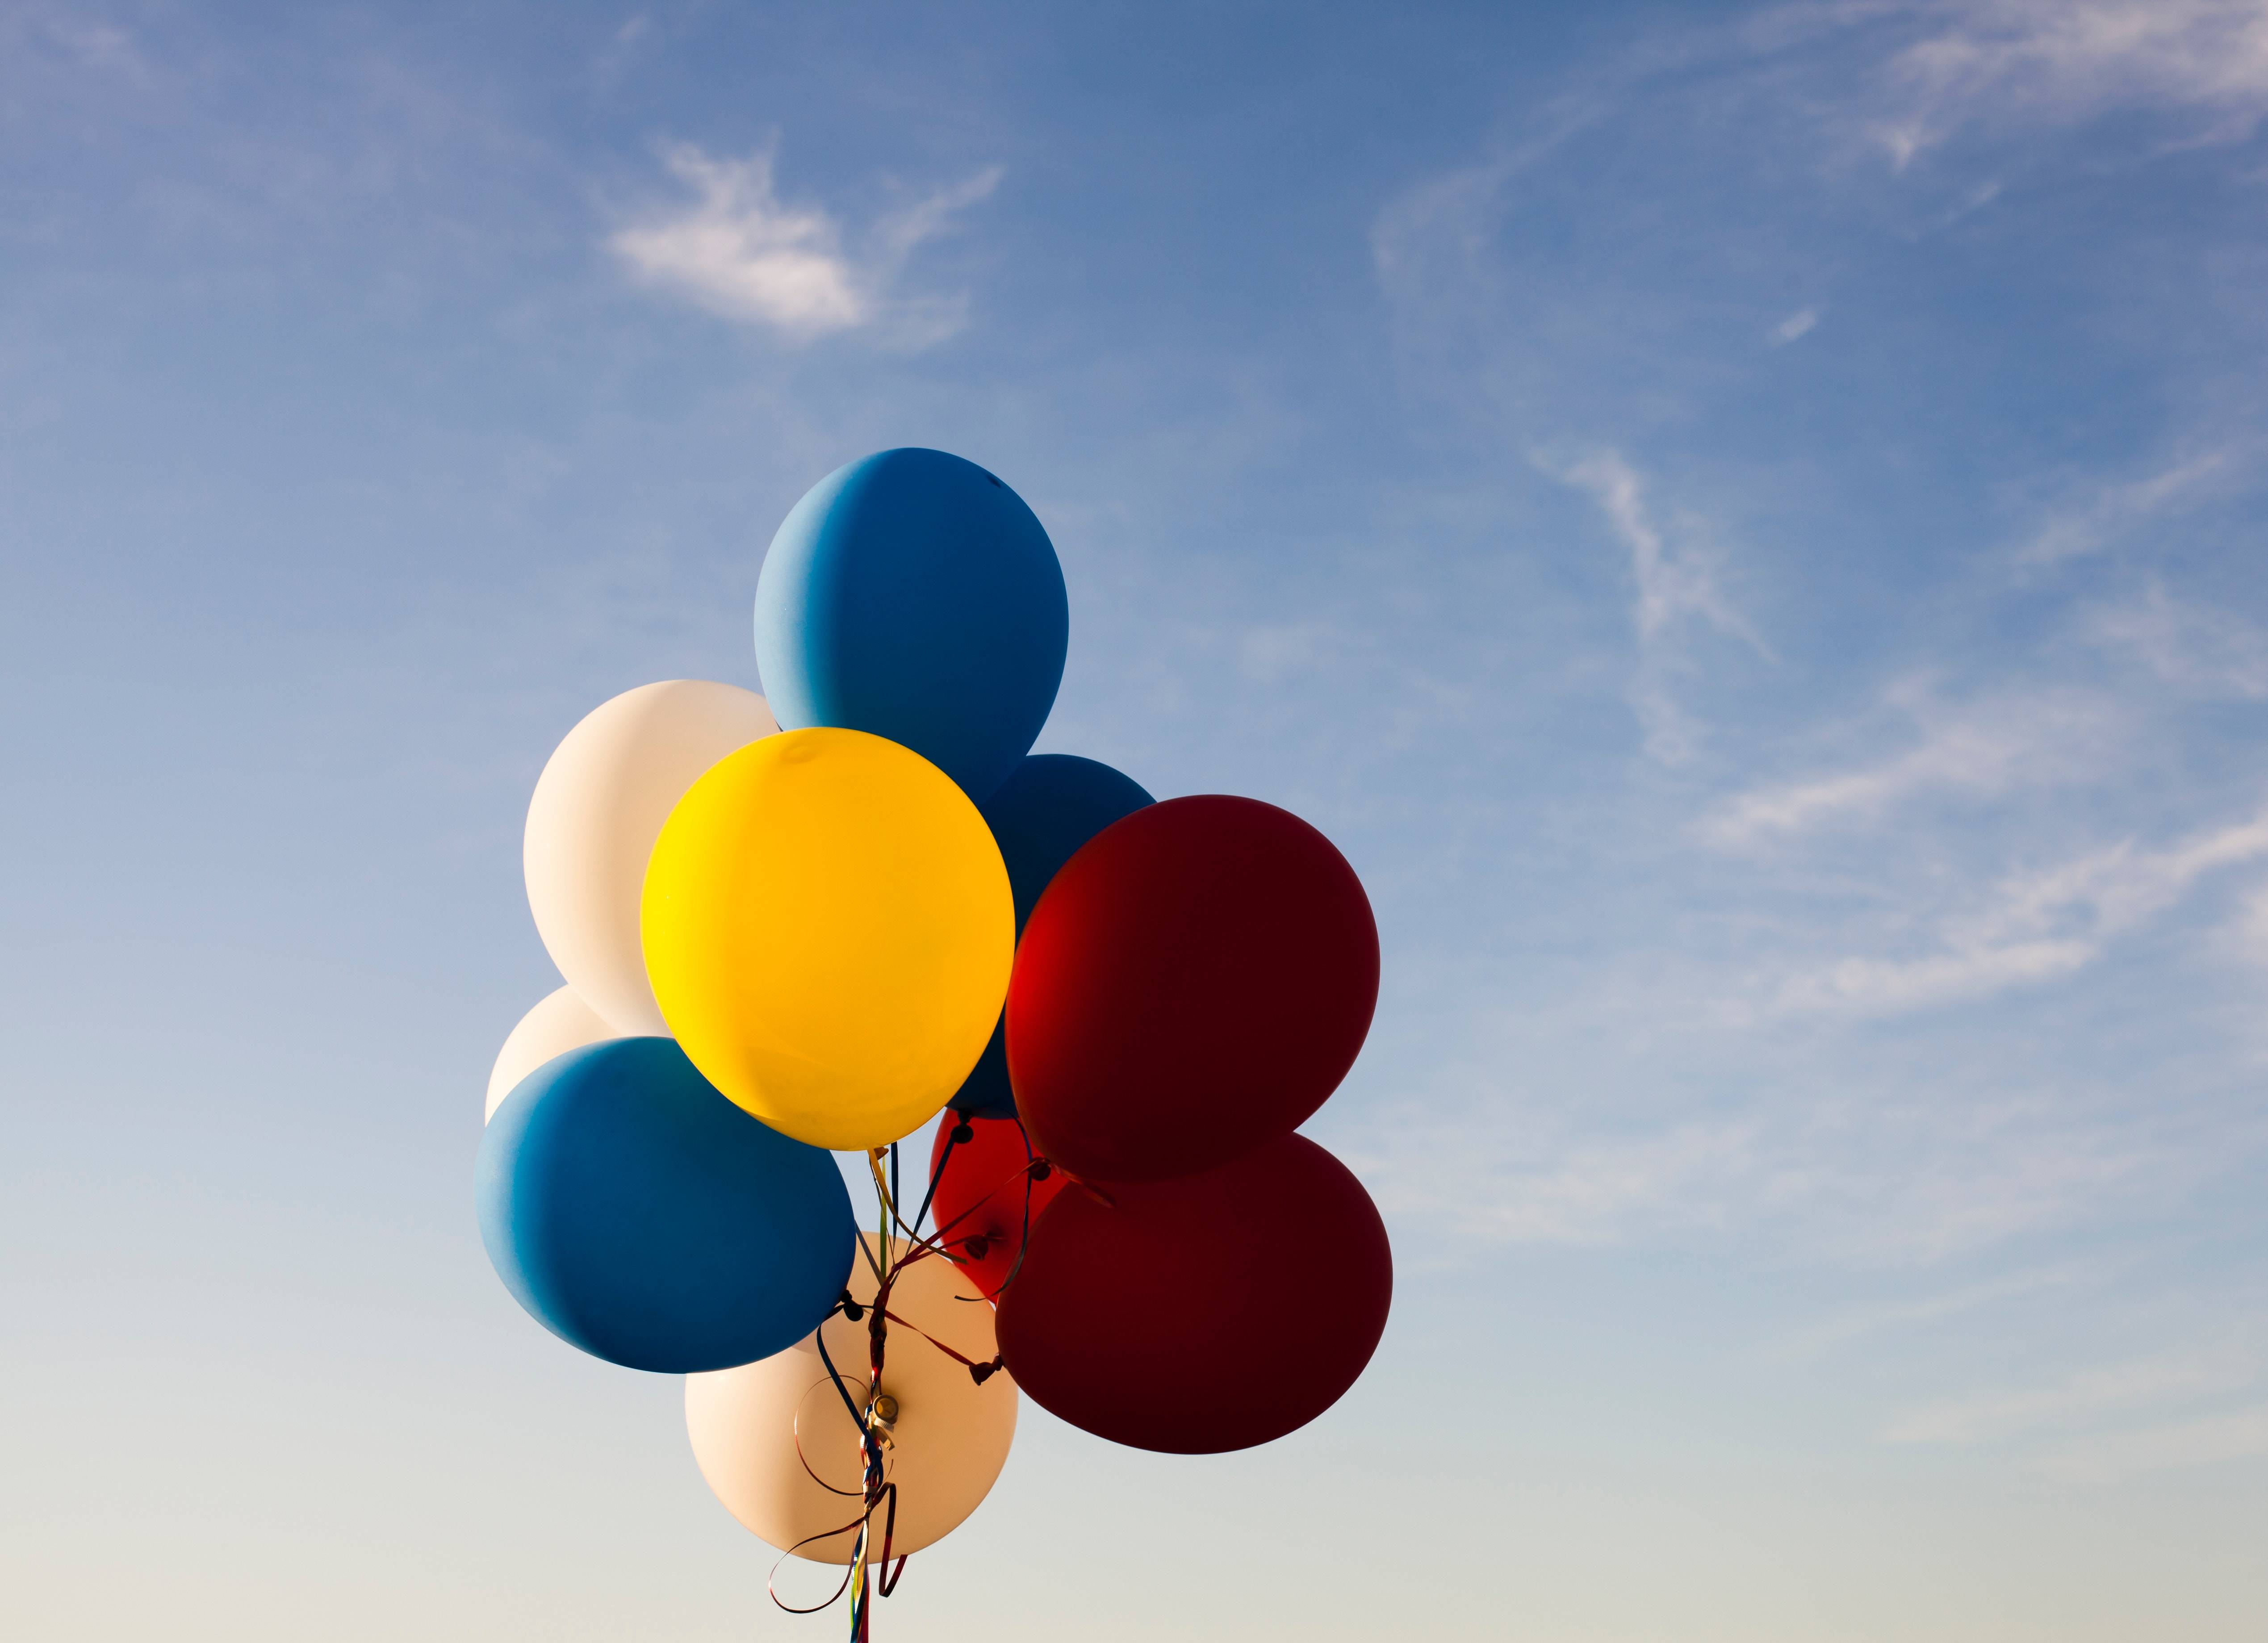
(1039, 816)
(913, 596)
(638, 1214)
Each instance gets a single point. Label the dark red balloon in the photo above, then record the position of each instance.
(980, 1206)
(1195, 980)
(1209, 1313)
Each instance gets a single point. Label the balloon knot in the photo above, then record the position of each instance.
(851, 1309)
(976, 1246)
(962, 1134)
(982, 1373)
(1042, 1169)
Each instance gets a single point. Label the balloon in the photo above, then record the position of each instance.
(1211, 1313)
(913, 596)
(980, 1207)
(828, 928)
(598, 807)
(560, 1023)
(946, 1445)
(1052, 805)
(1195, 982)
(639, 1215)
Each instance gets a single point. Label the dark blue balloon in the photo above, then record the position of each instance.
(639, 1215)
(1039, 816)
(914, 596)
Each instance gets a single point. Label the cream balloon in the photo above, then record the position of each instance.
(597, 808)
(560, 1023)
(946, 1442)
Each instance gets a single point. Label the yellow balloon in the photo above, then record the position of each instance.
(828, 927)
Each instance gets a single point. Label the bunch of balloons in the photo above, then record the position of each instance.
(787, 937)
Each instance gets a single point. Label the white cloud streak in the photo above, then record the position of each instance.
(2200, 651)
(2065, 61)
(2075, 1400)
(738, 251)
(2116, 512)
(1861, 1322)
(1796, 326)
(2038, 928)
(2021, 739)
(1676, 585)
(2113, 1457)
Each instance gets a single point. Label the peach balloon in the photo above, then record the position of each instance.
(947, 1442)
(597, 808)
(559, 1023)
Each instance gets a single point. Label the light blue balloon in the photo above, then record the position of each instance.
(912, 595)
(1039, 816)
(639, 1215)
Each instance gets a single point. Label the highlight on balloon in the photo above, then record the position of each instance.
(808, 924)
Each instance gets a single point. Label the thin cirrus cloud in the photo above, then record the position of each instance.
(2062, 62)
(1948, 844)
(2035, 927)
(2200, 650)
(2113, 1456)
(2076, 1399)
(737, 250)
(1677, 584)
(2022, 738)
(2112, 513)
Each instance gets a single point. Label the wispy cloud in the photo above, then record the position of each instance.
(1531, 1184)
(2200, 651)
(1796, 326)
(2062, 61)
(2037, 927)
(2076, 1399)
(1675, 585)
(1861, 1322)
(2114, 512)
(2018, 739)
(2208, 1440)
(737, 250)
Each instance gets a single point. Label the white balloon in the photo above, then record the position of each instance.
(562, 1022)
(597, 808)
(947, 1443)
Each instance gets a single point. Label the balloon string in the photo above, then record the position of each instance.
(951, 1141)
(857, 1582)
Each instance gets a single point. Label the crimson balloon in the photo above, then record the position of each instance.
(1195, 982)
(986, 1199)
(1205, 1313)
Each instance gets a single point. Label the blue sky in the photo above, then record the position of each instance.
(1742, 522)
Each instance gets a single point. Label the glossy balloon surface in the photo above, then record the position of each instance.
(913, 596)
(948, 1444)
(636, 1213)
(1051, 805)
(1195, 980)
(560, 1021)
(986, 1197)
(1211, 1313)
(829, 930)
(597, 809)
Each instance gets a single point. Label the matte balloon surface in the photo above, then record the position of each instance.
(639, 1215)
(558, 1023)
(1195, 980)
(981, 1209)
(829, 929)
(598, 808)
(949, 1441)
(1211, 1313)
(913, 596)
(1052, 805)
